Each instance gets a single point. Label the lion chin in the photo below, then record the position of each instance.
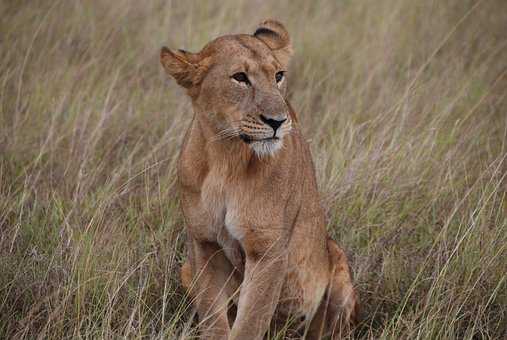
(266, 148)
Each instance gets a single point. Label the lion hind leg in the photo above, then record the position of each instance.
(338, 309)
(186, 275)
(343, 303)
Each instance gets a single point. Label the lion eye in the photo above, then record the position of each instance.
(279, 76)
(241, 77)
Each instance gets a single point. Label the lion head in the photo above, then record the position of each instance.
(237, 84)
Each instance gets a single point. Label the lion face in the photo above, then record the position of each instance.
(238, 85)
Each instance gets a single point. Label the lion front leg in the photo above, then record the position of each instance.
(265, 272)
(209, 278)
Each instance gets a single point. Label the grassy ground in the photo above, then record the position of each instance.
(405, 105)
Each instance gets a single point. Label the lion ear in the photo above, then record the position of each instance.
(274, 34)
(183, 66)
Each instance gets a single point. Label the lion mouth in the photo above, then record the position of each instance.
(247, 139)
(269, 139)
(263, 147)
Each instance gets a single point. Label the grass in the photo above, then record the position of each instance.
(405, 106)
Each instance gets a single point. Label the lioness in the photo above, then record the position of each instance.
(256, 233)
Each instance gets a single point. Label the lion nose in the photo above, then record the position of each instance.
(274, 123)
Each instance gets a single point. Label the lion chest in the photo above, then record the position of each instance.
(220, 201)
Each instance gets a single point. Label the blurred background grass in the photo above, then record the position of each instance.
(404, 103)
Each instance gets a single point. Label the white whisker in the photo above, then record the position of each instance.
(227, 133)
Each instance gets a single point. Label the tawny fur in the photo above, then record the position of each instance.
(256, 232)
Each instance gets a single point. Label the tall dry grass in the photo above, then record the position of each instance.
(405, 106)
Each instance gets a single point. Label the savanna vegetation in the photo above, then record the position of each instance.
(405, 107)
